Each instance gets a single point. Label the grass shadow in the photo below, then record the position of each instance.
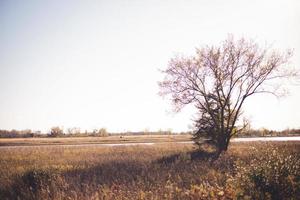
(195, 155)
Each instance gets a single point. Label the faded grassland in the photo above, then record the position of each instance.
(92, 140)
(257, 170)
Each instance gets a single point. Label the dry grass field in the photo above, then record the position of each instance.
(92, 140)
(260, 170)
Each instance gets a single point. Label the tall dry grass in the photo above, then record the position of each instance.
(173, 171)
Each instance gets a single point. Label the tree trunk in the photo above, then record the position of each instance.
(222, 145)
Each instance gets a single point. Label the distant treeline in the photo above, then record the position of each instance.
(102, 132)
(76, 132)
(266, 133)
(54, 132)
(18, 133)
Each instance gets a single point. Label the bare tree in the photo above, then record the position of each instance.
(73, 130)
(56, 131)
(218, 80)
(102, 132)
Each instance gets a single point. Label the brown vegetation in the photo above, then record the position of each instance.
(76, 132)
(93, 140)
(173, 171)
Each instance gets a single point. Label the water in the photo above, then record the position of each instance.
(282, 139)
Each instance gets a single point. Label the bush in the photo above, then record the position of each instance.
(273, 175)
(39, 184)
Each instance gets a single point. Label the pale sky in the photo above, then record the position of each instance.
(93, 64)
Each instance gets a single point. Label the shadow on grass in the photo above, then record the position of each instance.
(45, 183)
(196, 155)
(128, 176)
(48, 183)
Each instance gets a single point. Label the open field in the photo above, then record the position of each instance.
(254, 170)
(93, 140)
(124, 140)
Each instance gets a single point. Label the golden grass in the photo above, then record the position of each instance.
(161, 171)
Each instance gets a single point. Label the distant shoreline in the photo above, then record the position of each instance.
(124, 141)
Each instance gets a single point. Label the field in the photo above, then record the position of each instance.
(92, 140)
(258, 170)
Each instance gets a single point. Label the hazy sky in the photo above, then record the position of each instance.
(93, 64)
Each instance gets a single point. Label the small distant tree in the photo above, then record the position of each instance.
(102, 132)
(56, 131)
(95, 132)
(218, 80)
(73, 131)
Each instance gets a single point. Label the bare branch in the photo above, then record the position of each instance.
(218, 80)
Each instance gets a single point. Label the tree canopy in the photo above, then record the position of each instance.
(218, 79)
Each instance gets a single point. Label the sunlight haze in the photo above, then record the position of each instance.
(93, 64)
